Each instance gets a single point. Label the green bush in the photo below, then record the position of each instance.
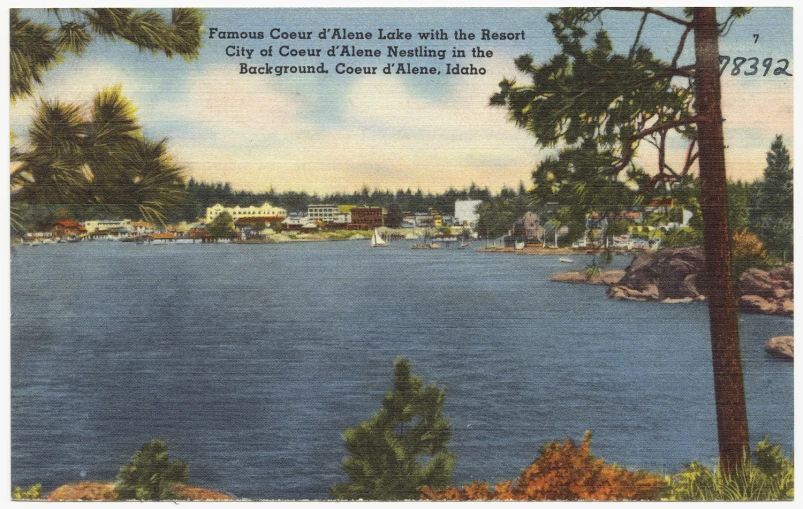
(402, 447)
(682, 237)
(151, 475)
(770, 477)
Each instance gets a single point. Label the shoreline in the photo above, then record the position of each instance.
(538, 250)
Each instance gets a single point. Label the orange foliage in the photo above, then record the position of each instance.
(99, 491)
(747, 246)
(96, 491)
(564, 471)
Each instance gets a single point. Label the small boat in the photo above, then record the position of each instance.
(377, 240)
(464, 245)
(566, 260)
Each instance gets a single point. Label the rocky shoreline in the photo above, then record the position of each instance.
(670, 276)
(782, 347)
(606, 277)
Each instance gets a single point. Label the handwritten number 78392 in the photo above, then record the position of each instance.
(750, 66)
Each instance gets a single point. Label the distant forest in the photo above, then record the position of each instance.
(201, 195)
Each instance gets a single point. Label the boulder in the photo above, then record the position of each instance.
(757, 304)
(673, 275)
(781, 346)
(607, 277)
(669, 274)
(757, 282)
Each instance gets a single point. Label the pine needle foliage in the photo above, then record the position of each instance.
(96, 156)
(770, 476)
(151, 475)
(37, 47)
(402, 447)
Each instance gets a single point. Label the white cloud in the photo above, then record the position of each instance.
(389, 136)
(222, 101)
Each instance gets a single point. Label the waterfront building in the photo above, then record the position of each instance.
(297, 221)
(95, 225)
(340, 222)
(465, 213)
(367, 218)
(141, 227)
(67, 228)
(236, 212)
(424, 220)
(529, 227)
(325, 212)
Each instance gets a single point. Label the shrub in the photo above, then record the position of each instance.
(151, 475)
(32, 493)
(400, 448)
(682, 237)
(563, 471)
(748, 252)
(770, 477)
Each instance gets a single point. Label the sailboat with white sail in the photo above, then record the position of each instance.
(377, 240)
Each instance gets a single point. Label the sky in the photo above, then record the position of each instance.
(330, 132)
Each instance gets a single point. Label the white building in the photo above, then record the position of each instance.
(465, 213)
(105, 224)
(236, 212)
(325, 212)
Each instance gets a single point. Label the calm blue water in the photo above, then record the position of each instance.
(251, 360)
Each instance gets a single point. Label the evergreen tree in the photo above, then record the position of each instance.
(601, 105)
(402, 447)
(771, 217)
(151, 475)
(96, 156)
(222, 226)
(37, 47)
(394, 217)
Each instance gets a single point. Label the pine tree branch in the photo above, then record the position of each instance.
(629, 149)
(638, 36)
(664, 126)
(681, 43)
(650, 10)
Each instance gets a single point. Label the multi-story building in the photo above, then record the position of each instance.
(141, 227)
(68, 228)
(366, 218)
(106, 224)
(236, 212)
(325, 212)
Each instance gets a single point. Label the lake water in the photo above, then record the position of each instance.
(251, 360)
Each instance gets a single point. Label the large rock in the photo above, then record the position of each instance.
(768, 292)
(781, 346)
(607, 277)
(757, 304)
(666, 275)
(757, 282)
(672, 275)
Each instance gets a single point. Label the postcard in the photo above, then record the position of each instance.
(401, 253)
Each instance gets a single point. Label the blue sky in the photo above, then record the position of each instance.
(333, 132)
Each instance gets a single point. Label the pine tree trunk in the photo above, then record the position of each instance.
(717, 282)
